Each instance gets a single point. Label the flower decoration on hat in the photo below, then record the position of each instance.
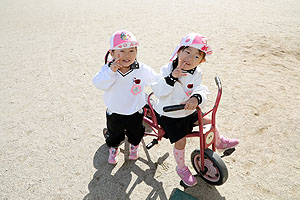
(125, 36)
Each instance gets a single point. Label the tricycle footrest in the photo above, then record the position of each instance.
(228, 152)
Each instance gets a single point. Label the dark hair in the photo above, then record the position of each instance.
(185, 47)
(175, 62)
(106, 56)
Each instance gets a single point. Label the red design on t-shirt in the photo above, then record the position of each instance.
(190, 86)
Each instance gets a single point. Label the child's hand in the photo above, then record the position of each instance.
(191, 103)
(116, 65)
(178, 71)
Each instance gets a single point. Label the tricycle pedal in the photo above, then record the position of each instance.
(228, 152)
(151, 144)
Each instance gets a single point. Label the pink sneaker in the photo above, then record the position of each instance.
(134, 152)
(112, 158)
(226, 143)
(186, 176)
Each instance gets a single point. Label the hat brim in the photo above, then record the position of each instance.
(126, 45)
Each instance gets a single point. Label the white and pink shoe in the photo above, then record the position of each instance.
(134, 152)
(186, 176)
(113, 153)
(226, 143)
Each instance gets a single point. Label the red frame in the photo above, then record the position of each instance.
(159, 132)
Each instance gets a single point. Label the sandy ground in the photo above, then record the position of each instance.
(52, 117)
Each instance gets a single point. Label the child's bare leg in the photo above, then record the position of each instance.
(180, 144)
(207, 120)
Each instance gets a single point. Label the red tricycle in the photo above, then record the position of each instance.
(206, 162)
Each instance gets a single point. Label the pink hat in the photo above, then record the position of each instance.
(193, 40)
(122, 39)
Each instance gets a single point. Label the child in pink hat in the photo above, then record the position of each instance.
(123, 80)
(181, 83)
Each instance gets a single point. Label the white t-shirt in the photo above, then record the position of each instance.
(181, 91)
(124, 93)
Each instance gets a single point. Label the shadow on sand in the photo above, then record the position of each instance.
(107, 185)
(203, 191)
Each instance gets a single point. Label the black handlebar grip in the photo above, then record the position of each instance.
(173, 108)
(151, 144)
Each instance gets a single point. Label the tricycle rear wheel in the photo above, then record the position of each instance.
(215, 170)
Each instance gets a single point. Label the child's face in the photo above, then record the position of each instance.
(127, 56)
(190, 57)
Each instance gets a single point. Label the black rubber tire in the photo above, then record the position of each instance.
(216, 166)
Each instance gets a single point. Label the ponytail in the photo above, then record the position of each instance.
(106, 57)
(175, 63)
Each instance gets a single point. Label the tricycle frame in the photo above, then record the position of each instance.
(206, 134)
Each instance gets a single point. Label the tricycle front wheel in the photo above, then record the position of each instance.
(215, 170)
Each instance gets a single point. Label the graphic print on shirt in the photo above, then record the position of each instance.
(189, 89)
(136, 88)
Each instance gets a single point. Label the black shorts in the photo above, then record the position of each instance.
(120, 125)
(177, 128)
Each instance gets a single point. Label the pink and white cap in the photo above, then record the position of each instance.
(193, 40)
(122, 39)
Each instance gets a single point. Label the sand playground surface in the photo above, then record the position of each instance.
(52, 116)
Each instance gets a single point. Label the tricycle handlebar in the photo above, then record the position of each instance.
(181, 106)
(218, 82)
(173, 108)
